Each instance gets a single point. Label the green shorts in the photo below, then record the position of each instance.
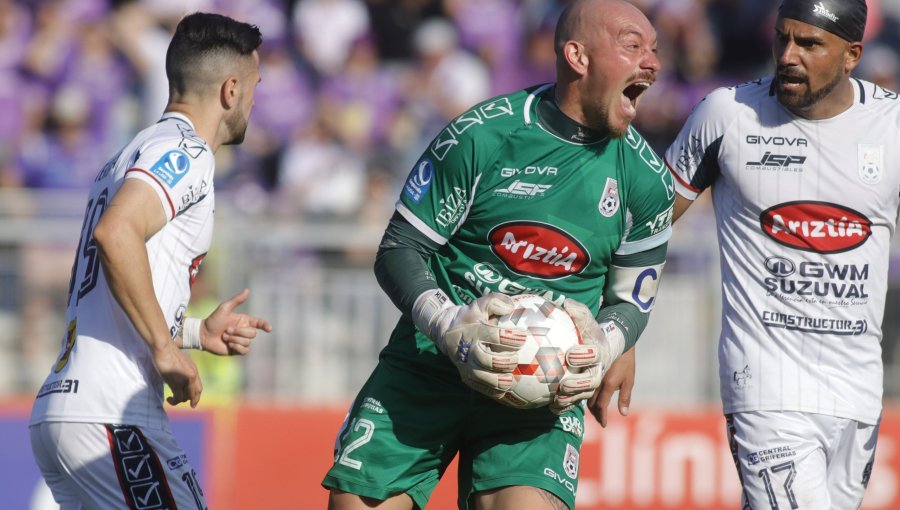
(405, 427)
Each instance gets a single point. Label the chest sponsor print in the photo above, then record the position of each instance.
(538, 250)
(819, 227)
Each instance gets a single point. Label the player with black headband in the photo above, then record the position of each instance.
(805, 183)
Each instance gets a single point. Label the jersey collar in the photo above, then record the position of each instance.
(176, 115)
(557, 123)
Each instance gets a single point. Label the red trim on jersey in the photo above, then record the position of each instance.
(168, 198)
(679, 179)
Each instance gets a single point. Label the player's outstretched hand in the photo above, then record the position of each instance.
(226, 332)
(484, 353)
(619, 377)
(180, 373)
(587, 361)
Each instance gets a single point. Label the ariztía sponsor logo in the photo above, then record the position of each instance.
(818, 227)
(539, 250)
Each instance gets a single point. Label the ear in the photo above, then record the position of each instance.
(852, 56)
(228, 93)
(576, 56)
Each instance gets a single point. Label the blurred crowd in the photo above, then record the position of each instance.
(351, 90)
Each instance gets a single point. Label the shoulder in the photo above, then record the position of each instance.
(175, 140)
(486, 124)
(724, 103)
(877, 98)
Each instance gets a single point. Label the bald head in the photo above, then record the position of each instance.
(582, 17)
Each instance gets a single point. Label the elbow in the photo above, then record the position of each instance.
(106, 233)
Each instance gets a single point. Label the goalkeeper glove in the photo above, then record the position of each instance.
(601, 344)
(484, 353)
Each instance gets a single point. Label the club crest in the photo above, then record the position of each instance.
(609, 202)
(870, 161)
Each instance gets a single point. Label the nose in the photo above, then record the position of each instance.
(786, 53)
(651, 61)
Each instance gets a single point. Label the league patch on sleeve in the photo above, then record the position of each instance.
(419, 181)
(171, 167)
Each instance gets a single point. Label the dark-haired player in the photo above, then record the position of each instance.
(99, 433)
(805, 183)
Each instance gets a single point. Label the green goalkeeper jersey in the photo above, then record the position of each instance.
(522, 199)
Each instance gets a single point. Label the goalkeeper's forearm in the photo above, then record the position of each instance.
(401, 263)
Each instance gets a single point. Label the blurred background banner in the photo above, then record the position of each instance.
(265, 457)
(351, 92)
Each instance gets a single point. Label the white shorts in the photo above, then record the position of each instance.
(791, 460)
(101, 466)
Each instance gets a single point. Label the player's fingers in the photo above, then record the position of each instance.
(236, 300)
(244, 334)
(496, 384)
(493, 361)
(195, 390)
(497, 304)
(625, 398)
(512, 337)
(260, 324)
(578, 384)
(177, 396)
(236, 348)
(583, 355)
(603, 399)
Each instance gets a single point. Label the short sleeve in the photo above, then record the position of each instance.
(180, 177)
(438, 192)
(650, 198)
(693, 156)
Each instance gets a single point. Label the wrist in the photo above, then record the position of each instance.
(427, 310)
(190, 333)
(615, 339)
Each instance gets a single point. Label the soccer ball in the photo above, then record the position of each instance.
(542, 360)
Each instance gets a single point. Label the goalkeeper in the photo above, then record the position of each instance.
(544, 191)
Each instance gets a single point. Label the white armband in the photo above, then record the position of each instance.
(635, 285)
(190, 333)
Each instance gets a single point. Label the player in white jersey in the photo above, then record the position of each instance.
(98, 429)
(805, 175)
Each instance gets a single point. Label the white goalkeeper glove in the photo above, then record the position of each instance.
(484, 353)
(601, 344)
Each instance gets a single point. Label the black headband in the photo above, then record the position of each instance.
(843, 18)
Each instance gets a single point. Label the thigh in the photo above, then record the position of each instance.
(44, 449)
(781, 459)
(850, 464)
(399, 436)
(116, 466)
(508, 447)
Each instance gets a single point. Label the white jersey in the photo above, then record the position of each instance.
(105, 372)
(805, 210)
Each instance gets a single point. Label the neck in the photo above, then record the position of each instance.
(558, 122)
(206, 124)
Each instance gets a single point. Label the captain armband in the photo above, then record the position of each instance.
(190, 333)
(635, 285)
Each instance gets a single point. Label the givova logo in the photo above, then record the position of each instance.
(171, 168)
